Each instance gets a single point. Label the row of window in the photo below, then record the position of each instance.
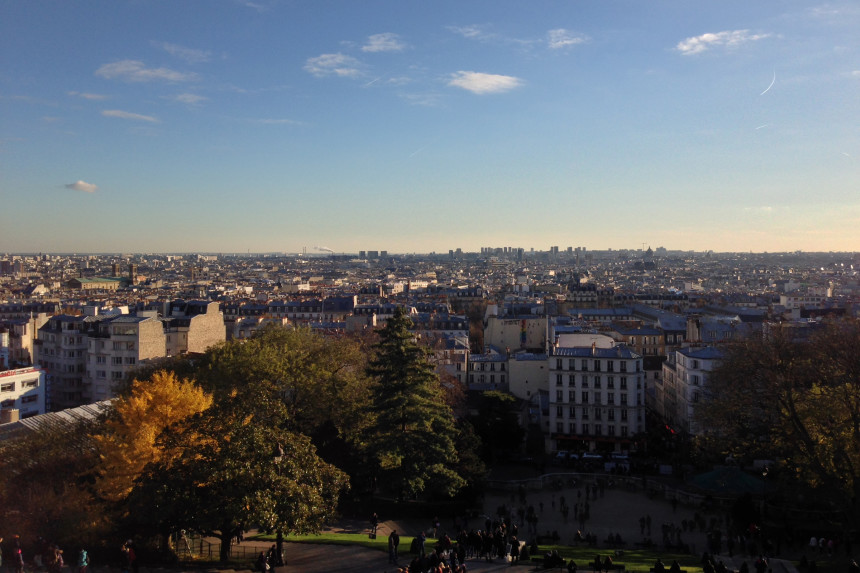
(24, 400)
(595, 363)
(585, 430)
(26, 384)
(608, 398)
(570, 413)
(482, 366)
(483, 379)
(584, 380)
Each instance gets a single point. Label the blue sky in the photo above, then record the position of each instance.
(407, 126)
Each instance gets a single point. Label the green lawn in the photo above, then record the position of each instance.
(634, 559)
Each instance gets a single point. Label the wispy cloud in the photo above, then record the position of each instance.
(190, 55)
(561, 38)
(728, 38)
(190, 99)
(136, 71)
(89, 96)
(273, 121)
(387, 42)
(473, 32)
(333, 65)
(422, 99)
(480, 83)
(129, 115)
(259, 6)
(81, 185)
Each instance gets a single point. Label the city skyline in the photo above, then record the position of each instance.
(273, 126)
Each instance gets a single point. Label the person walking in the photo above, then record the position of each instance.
(393, 543)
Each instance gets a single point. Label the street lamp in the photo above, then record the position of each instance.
(277, 456)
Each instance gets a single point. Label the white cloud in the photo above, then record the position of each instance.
(82, 186)
(473, 32)
(129, 115)
(480, 83)
(190, 99)
(136, 71)
(728, 38)
(387, 42)
(561, 38)
(190, 55)
(88, 95)
(333, 65)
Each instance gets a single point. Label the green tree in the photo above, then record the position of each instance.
(795, 401)
(497, 425)
(46, 483)
(411, 438)
(321, 381)
(233, 465)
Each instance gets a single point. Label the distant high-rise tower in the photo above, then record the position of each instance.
(132, 272)
(114, 270)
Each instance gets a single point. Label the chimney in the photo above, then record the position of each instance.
(9, 415)
(594, 348)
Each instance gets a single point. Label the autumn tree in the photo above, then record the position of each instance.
(795, 401)
(127, 441)
(411, 438)
(236, 464)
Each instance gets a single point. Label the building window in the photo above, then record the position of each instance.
(585, 380)
(558, 380)
(29, 399)
(624, 366)
(558, 363)
(585, 413)
(610, 430)
(598, 414)
(8, 387)
(30, 384)
(598, 429)
(610, 366)
(623, 399)
(585, 429)
(623, 431)
(559, 427)
(585, 397)
(559, 396)
(559, 411)
(610, 382)
(610, 398)
(116, 360)
(624, 383)
(597, 365)
(116, 375)
(611, 414)
(572, 412)
(584, 365)
(623, 415)
(571, 396)
(597, 381)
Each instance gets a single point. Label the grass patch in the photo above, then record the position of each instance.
(638, 560)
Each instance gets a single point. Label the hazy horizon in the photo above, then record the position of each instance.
(236, 125)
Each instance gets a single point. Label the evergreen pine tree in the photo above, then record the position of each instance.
(412, 436)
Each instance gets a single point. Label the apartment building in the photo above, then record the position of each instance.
(596, 398)
(22, 393)
(685, 376)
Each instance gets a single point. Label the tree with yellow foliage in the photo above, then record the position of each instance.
(128, 442)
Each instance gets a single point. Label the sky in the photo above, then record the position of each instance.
(410, 126)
